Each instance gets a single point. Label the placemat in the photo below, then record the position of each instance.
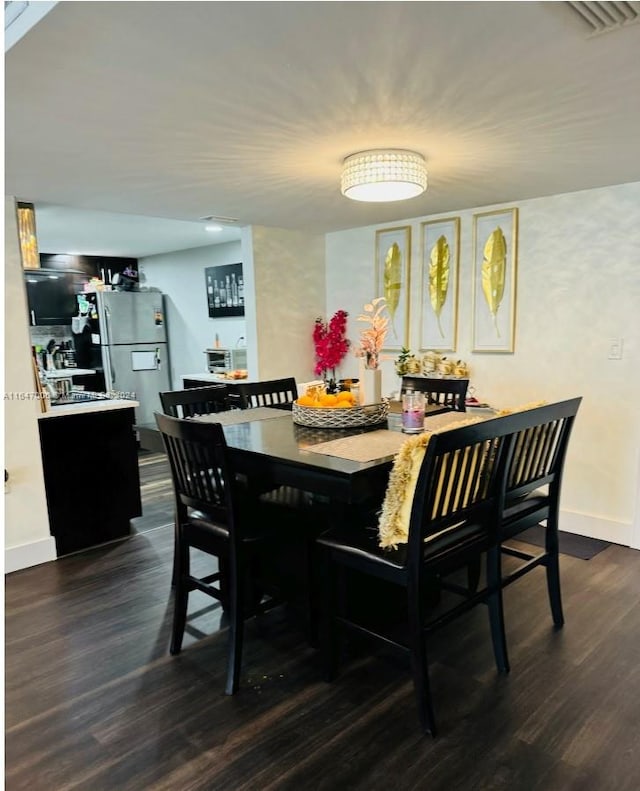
(234, 416)
(362, 447)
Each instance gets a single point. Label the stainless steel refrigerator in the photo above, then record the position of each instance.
(130, 334)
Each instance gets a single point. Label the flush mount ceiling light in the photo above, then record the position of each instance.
(213, 228)
(384, 174)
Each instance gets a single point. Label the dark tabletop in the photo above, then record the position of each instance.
(276, 451)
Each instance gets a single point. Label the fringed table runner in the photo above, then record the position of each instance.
(377, 444)
(235, 416)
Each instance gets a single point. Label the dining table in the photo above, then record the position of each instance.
(346, 467)
(343, 474)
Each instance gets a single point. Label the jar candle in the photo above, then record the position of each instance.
(412, 412)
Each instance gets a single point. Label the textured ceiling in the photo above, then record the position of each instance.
(179, 110)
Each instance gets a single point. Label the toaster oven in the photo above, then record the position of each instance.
(221, 360)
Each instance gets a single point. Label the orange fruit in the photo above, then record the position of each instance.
(328, 400)
(306, 400)
(346, 397)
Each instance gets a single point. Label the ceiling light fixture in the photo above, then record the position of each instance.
(384, 174)
(213, 228)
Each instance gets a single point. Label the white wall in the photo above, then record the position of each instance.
(180, 275)
(578, 287)
(27, 539)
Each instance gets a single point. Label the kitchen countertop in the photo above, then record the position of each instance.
(66, 373)
(88, 407)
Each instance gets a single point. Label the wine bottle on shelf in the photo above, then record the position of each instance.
(209, 291)
(216, 295)
(234, 291)
(223, 295)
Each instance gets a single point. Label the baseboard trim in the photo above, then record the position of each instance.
(27, 555)
(596, 527)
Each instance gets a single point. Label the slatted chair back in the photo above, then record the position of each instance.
(279, 393)
(533, 480)
(200, 469)
(195, 401)
(446, 392)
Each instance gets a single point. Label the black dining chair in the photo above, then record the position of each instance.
(532, 492)
(214, 516)
(446, 392)
(195, 401)
(454, 518)
(278, 393)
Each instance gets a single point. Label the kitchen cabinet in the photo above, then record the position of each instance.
(104, 267)
(91, 474)
(51, 296)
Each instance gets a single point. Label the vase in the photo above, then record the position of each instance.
(370, 384)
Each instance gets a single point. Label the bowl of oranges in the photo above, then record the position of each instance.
(319, 409)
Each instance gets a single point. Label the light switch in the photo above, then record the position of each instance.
(615, 348)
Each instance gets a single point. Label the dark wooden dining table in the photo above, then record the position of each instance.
(276, 450)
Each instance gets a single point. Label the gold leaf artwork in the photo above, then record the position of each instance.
(494, 267)
(393, 280)
(439, 277)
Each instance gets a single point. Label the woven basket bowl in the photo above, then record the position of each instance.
(330, 417)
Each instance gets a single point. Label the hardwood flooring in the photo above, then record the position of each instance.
(94, 701)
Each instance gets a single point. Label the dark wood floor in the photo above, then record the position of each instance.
(94, 701)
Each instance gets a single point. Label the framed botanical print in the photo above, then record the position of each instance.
(495, 256)
(440, 250)
(393, 267)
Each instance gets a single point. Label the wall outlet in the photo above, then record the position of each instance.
(615, 349)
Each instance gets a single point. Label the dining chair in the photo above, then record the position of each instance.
(446, 392)
(195, 401)
(278, 393)
(214, 517)
(532, 491)
(454, 516)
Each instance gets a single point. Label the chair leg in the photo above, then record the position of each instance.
(553, 575)
(496, 609)
(420, 665)
(333, 576)
(180, 594)
(236, 627)
(473, 574)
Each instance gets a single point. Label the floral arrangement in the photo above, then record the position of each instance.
(330, 342)
(372, 339)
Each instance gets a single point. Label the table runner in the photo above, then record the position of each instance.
(235, 416)
(383, 442)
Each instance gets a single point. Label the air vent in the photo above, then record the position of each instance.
(216, 218)
(599, 18)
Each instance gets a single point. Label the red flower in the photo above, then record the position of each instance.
(330, 342)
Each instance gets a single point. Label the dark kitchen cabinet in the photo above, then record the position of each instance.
(51, 296)
(91, 476)
(103, 267)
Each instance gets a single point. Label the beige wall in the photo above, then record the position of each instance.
(286, 269)
(578, 288)
(27, 538)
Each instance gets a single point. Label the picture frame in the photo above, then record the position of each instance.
(224, 290)
(495, 256)
(440, 273)
(393, 272)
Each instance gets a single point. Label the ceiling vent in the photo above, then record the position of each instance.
(216, 218)
(597, 18)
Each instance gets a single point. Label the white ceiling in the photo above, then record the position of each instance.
(178, 110)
